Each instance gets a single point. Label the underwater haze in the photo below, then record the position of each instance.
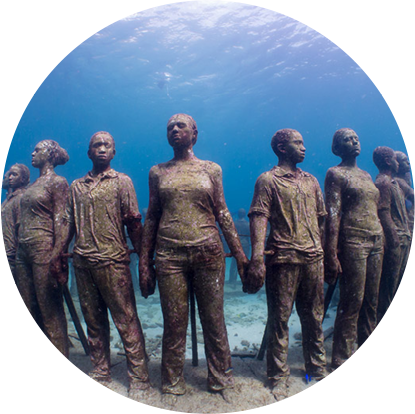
(241, 71)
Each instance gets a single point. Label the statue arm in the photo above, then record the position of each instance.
(384, 212)
(147, 274)
(63, 232)
(332, 188)
(224, 218)
(256, 270)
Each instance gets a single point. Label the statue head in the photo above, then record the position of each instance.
(288, 144)
(404, 164)
(18, 176)
(385, 159)
(182, 130)
(101, 148)
(345, 143)
(49, 151)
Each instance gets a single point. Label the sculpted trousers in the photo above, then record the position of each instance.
(394, 264)
(110, 287)
(361, 261)
(203, 267)
(304, 284)
(41, 293)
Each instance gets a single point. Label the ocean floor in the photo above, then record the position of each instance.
(245, 318)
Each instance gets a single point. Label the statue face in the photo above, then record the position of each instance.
(294, 148)
(101, 149)
(404, 165)
(394, 164)
(349, 145)
(15, 177)
(180, 133)
(40, 155)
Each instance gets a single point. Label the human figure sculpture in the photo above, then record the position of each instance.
(186, 200)
(394, 219)
(16, 180)
(353, 246)
(41, 207)
(403, 177)
(291, 200)
(242, 227)
(99, 206)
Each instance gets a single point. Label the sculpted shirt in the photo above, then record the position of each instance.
(393, 199)
(37, 219)
(99, 208)
(293, 203)
(10, 217)
(359, 199)
(184, 195)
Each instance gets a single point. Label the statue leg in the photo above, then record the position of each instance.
(391, 266)
(310, 309)
(95, 314)
(115, 285)
(353, 258)
(281, 284)
(171, 268)
(405, 249)
(368, 312)
(50, 298)
(208, 282)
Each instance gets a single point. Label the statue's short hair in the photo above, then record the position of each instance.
(102, 133)
(24, 172)
(282, 136)
(337, 137)
(381, 155)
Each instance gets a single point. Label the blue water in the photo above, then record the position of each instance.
(241, 71)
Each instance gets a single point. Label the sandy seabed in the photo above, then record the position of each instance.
(245, 318)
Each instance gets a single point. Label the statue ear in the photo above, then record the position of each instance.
(281, 147)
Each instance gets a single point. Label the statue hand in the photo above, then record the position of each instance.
(255, 276)
(393, 241)
(147, 277)
(58, 267)
(332, 268)
(242, 266)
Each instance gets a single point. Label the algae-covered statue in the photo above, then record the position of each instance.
(186, 201)
(99, 206)
(15, 181)
(291, 200)
(353, 246)
(394, 219)
(403, 177)
(41, 209)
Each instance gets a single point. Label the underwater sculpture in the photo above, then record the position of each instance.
(394, 219)
(42, 206)
(15, 181)
(186, 200)
(353, 246)
(242, 227)
(99, 205)
(403, 177)
(291, 200)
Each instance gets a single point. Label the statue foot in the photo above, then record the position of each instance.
(280, 389)
(138, 390)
